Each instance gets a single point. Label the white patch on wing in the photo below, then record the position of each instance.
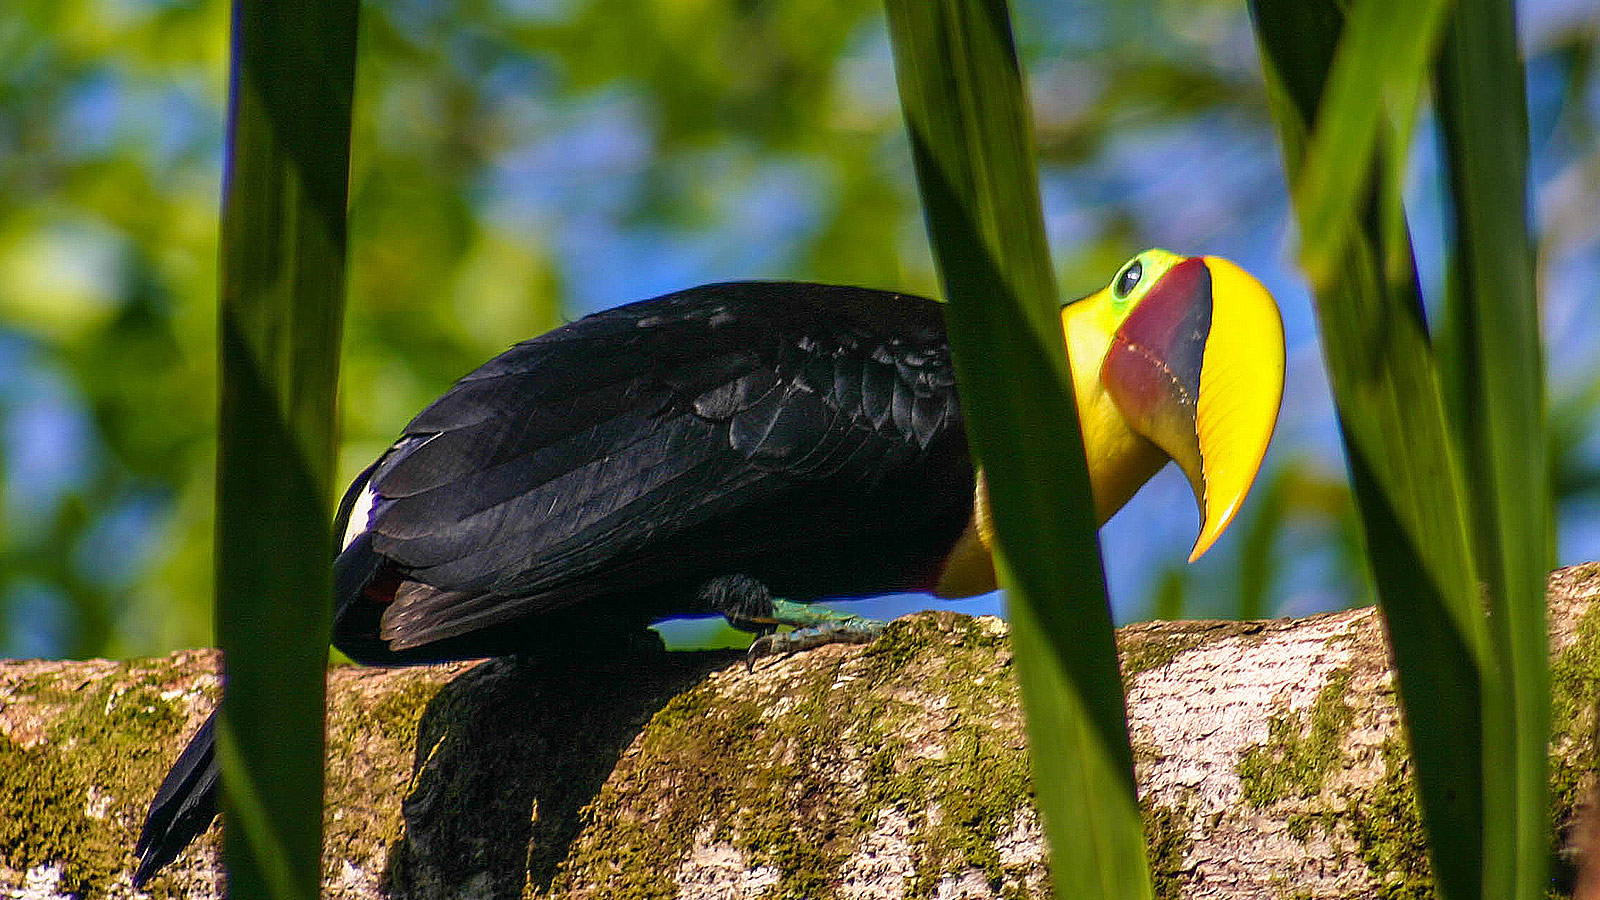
(359, 515)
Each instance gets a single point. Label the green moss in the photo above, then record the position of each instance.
(978, 788)
(44, 688)
(1300, 750)
(1166, 832)
(1383, 820)
(1153, 650)
(777, 781)
(905, 640)
(699, 736)
(1574, 683)
(894, 648)
(102, 755)
(397, 714)
(1387, 827)
(784, 792)
(46, 799)
(362, 746)
(982, 780)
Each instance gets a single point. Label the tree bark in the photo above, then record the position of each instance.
(1269, 761)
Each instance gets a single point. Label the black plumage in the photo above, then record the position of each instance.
(807, 436)
(650, 460)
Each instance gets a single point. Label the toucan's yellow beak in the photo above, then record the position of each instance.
(1193, 365)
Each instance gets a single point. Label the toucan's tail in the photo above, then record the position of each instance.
(186, 802)
(184, 806)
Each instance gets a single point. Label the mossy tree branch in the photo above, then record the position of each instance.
(1269, 760)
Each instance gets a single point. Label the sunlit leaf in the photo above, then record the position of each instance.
(1496, 385)
(1382, 56)
(1384, 373)
(972, 142)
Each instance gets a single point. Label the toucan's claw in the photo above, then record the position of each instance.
(813, 626)
(851, 630)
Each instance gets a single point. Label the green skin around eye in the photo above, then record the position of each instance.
(1153, 264)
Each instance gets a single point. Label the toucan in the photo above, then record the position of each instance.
(743, 449)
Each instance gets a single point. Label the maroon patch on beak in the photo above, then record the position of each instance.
(1152, 369)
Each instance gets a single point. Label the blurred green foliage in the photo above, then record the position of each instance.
(517, 161)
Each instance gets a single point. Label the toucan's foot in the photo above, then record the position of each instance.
(854, 630)
(748, 605)
(813, 626)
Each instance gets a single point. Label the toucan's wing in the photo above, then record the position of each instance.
(763, 428)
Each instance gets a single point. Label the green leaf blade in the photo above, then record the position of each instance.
(1404, 463)
(1496, 386)
(1383, 55)
(281, 309)
(972, 141)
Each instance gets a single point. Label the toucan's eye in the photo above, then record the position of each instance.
(1128, 280)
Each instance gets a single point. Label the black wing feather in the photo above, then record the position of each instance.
(805, 435)
(766, 428)
(184, 805)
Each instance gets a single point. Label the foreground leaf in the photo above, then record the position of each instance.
(282, 301)
(1384, 373)
(1496, 385)
(973, 144)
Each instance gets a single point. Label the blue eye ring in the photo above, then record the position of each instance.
(1127, 280)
